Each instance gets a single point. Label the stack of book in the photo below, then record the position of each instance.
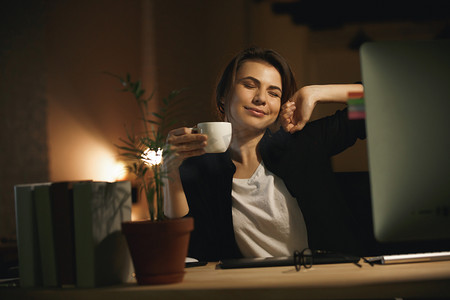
(69, 233)
(356, 106)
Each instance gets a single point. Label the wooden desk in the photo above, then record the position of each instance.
(342, 281)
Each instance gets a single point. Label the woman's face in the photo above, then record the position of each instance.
(255, 99)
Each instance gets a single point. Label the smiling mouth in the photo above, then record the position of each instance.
(258, 111)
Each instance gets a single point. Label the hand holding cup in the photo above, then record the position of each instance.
(218, 133)
(206, 137)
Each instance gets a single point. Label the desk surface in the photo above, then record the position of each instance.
(320, 282)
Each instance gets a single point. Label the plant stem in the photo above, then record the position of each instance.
(158, 188)
(149, 196)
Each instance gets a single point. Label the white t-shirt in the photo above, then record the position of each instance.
(267, 220)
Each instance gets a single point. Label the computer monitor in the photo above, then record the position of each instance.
(407, 103)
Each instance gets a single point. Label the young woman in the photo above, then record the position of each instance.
(273, 191)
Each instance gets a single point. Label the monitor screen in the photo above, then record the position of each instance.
(407, 103)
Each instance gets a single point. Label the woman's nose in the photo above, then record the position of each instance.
(260, 97)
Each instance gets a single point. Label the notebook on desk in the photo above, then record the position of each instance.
(407, 106)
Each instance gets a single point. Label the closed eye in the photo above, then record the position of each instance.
(275, 94)
(249, 85)
(252, 83)
(249, 82)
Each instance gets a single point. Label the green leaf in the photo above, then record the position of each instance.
(140, 93)
(137, 87)
(152, 122)
(151, 96)
(157, 115)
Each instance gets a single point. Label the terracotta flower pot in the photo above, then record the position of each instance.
(158, 249)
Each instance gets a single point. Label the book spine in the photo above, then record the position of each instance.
(111, 207)
(27, 240)
(84, 243)
(45, 234)
(102, 256)
(63, 230)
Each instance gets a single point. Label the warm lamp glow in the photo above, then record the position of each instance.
(107, 168)
(86, 155)
(112, 170)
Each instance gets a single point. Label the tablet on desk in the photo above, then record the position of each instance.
(319, 257)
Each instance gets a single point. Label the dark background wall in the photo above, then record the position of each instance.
(23, 105)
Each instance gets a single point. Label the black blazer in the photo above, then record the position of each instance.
(302, 160)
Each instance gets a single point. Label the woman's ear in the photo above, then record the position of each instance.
(220, 109)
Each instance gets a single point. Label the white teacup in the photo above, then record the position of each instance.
(219, 135)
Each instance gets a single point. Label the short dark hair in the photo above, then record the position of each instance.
(289, 86)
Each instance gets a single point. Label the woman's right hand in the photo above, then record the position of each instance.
(184, 144)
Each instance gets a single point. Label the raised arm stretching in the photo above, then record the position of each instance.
(296, 112)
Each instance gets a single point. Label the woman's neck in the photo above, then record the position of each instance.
(244, 153)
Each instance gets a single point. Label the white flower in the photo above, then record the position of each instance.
(152, 157)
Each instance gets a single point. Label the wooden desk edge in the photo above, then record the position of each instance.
(320, 282)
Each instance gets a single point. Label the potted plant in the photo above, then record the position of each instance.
(158, 246)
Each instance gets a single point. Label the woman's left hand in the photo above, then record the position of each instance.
(296, 112)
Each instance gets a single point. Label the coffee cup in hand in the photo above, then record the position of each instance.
(219, 135)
